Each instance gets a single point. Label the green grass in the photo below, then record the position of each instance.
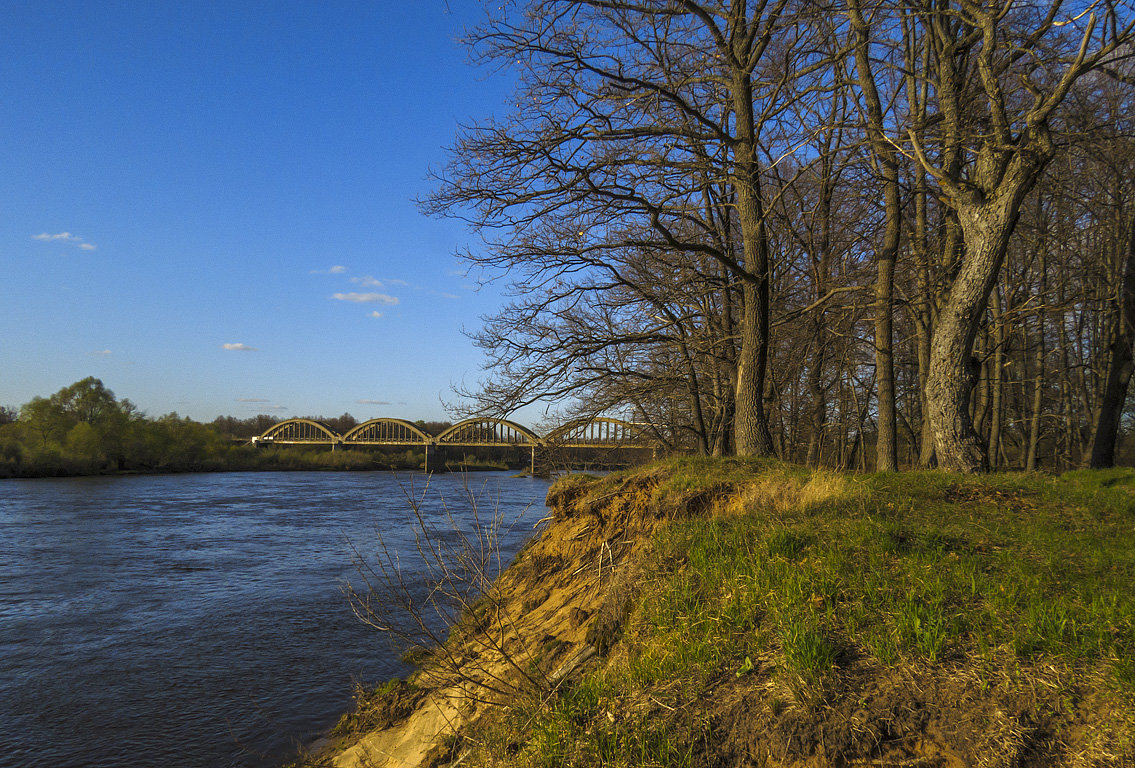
(588, 725)
(673, 483)
(920, 565)
(917, 566)
(810, 573)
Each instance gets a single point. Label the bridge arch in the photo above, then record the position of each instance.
(599, 431)
(387, 432)
(475, 432)
(299, 431)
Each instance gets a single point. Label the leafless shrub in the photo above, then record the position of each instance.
(439, 601)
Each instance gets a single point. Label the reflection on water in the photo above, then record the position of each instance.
(199, 620)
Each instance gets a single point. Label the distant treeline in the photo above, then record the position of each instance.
(83, 429)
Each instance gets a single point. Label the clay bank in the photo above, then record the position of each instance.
(751, 613)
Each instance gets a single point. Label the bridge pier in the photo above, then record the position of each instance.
(435, 458)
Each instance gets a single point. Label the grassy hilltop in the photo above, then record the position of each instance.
(744, 612)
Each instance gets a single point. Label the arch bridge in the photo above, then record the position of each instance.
(598, 433)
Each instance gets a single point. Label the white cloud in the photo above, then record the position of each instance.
(376, 313)
(367, 281)
(446, 295)
(402, 283)
(251, 400)
(366, 298)
(338, 269)
(365, 401)
(101, 353)
(275, 408)
(239, 348)
(64, 237)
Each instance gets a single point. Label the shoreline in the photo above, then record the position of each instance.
(696, 612)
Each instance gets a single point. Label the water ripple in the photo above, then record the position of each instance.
(195, 620)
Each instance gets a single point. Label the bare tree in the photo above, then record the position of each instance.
(999, 74)
(886, 159)
(629, 117)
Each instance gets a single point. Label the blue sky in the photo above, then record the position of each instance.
(210, 205)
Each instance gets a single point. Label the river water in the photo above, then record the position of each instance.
(200, 620)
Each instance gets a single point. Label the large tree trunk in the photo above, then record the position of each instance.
(751, 431)
(750, 424)
(1120, 365)
(976, 89)
(986, 227)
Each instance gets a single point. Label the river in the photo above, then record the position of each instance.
(200, 620)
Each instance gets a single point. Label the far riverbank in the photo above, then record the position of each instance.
(253, 459)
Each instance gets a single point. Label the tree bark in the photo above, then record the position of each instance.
(886, 451)
(986, 227)
(1038, 396)
(997, 382)
(818, 406)
(1032, 445)
(751, 431)
(924, 323)
(750, 424)
(1009, 144)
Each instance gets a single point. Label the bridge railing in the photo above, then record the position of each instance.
(307, 431)
(488, 432)
(387, 432)
(600, 432)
